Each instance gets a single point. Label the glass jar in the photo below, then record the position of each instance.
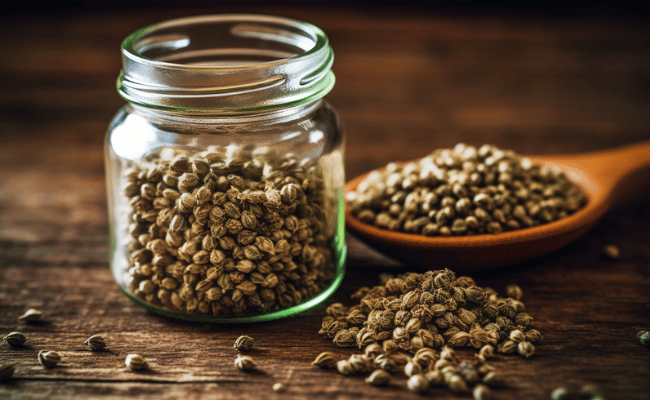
(225, 169)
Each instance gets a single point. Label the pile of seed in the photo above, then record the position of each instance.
(414, 321)
(228, 233)
(464, 191)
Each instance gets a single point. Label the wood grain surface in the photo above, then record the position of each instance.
(407, 82)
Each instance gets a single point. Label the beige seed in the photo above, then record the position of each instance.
(31, 315)
(48, 359)
(96, 342)
(245, 363)
(417, 383)
(481, 392)
(344, 367)
(612, 252)
(325, 360)
(514, 291)
(526, 349)
(6, 372)
(15, 339)
(378, 378)
(457, 384)
(494, 379)
(244, 343)
(279, 387)
(412, 368)
(135, 362)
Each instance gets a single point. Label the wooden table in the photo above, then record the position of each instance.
(407, 82)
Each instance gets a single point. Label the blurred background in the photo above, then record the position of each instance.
(540, 78)
(537, 77)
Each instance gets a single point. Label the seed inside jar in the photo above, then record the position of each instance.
(229, 233)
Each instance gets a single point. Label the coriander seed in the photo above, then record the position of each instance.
(481, 392)
(6, 372)
(435, 378)
(344, 367)
(279, 387)
(461, 191)
(514, 291)
(244, 343)
(325, 360)
(526, 349)
(412, 368)
(378, 377)
(135, 362)
(96, 342)
(560, 394)
(612, 252)
(417, 383)
(48, 359)
(245, 363)
(494, 379)
(457, 384)
(31, 315)
(15, 339)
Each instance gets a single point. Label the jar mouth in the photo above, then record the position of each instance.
(226, 64)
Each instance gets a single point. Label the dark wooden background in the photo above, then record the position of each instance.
(409, 80)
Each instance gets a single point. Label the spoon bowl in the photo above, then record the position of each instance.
(605, 177)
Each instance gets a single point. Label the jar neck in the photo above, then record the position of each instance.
(226, 65)
(228, 122)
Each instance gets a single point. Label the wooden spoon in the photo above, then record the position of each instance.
(606, 177)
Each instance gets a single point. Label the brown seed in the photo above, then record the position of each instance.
(279, 387)
(15, 339)
(48, 359)
(31, 315)
(245, 363)
(6, 372)
(612, 252)
(325, 360)
(96, 342)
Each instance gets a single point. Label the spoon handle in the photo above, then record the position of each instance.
(616, 173)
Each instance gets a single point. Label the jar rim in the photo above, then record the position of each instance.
(226, 64)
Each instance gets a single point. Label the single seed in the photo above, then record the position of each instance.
(412, 368)
(135, 362)
(612, 252)
(560, 394)
(514, 291)
(494, 379)
(6, 372)
(96, 342)
(517, 336)
(15, 339)
(245, 363)
(48, 359)
(457, 384)
(344, 367)
(279, 387)
(378, 377)
(526, 349)
(481, 392)
(244, 343)
(417, 383)
(325, 360)
(435, 378)
(31, 315)
(644, 337)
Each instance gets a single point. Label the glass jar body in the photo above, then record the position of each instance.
(228, 218)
